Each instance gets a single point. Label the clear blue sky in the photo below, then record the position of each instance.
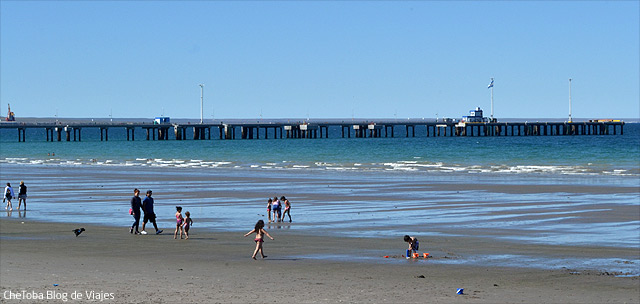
(334, 59)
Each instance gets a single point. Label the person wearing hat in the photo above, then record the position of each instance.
(149, 215)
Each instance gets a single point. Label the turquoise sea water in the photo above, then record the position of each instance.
(607, 154)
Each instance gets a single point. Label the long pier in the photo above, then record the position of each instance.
(72, 131)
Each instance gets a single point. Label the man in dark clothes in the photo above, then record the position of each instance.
(149, 215)
(136, 204)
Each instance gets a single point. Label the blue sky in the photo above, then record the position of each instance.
(333, 59)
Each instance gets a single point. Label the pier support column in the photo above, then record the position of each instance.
(21, 135)
(105, 136)
(59, 133)
(178, 132)
(229, 132)
(199, 133)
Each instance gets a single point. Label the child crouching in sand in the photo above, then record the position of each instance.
(260, 232)
(414, 245)
(187, 224)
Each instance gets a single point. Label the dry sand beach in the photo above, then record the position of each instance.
(325, 256)
(216, 268)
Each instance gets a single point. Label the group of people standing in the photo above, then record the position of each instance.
(274, 209)
(9, 195)
(147, 208)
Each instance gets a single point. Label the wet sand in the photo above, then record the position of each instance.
(504, 240)
(217, 268)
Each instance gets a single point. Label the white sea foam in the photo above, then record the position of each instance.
(401, 166)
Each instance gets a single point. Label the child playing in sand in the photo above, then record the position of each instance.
(287, 208)
(260, 232)
(414, 245)
(179, 221)
(187, 223)
(269, 209)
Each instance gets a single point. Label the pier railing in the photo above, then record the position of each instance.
(359, 129)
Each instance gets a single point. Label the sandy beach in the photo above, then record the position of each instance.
(217, 268)
(513, 247)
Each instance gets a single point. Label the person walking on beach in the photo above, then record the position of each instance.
(275, 205)
(287, 208)
(136, 204)
(179, 223)
(8, 195)
(269, 209)
(149, 215)
(187, 224)
(260, 232)
(22, 195)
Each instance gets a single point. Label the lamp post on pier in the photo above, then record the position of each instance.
(201, 101)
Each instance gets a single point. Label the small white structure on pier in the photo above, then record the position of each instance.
(161, 120)
(475, 116)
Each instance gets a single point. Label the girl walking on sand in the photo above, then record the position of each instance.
(187, 223)
(260, 232)
(179, 220)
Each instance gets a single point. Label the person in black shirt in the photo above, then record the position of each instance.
(149, 215)
(22, 195)
(136, 204)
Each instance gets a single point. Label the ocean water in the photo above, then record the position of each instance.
(565, 155)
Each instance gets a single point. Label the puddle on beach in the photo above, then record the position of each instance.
(615, 267)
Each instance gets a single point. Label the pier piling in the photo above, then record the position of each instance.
(361, 129)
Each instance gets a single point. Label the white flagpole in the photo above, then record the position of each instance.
(491, 99)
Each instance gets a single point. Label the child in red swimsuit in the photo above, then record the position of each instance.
(260, 232)
(269, 209)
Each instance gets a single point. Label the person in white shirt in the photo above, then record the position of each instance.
(8, 195)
